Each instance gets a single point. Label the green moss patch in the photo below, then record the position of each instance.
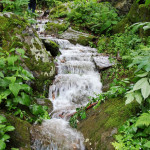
(101, 124)
(56, 28)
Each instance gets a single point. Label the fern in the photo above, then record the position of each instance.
(144, 119)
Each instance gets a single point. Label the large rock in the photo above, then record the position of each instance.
(137, 13)
(77, 37)
(102, 62)
(15, 32)
(102, 123)
(52, 47)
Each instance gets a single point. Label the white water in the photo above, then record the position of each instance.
(77, 79)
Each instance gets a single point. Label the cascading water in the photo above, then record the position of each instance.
(77, 79)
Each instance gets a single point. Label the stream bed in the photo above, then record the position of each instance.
(77, 79)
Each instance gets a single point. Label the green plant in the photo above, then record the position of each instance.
(134, 134)
(16, 6)
(14, 92)
(4, 129)
(140, 91)
(97, 17)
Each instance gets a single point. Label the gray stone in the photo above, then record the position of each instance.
(102, 62)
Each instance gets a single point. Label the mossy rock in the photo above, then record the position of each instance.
(52, 47)
(77, 37)
(102, 123)
(137, 13)
(55, 28)
(85, 40)
(45, 102)
(20, 137)
(15, 32)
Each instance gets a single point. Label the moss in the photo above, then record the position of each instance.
(101, 124)
(137, 13)
(37, 45)
(56, 28)
(85, 40)
(52, 47)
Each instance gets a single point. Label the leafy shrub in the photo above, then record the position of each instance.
(134, 134)
(97, 17)
(16, 6)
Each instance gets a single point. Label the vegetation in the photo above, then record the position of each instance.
(130, 75)
(4, 129)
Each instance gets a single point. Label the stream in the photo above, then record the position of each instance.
(77, 79)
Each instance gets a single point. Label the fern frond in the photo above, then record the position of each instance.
(144, 119)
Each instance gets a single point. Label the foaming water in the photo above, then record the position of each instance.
(76, 80)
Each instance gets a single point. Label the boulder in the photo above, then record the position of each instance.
(52, 47)
(15, 32)
(77, 37)
(102, 62)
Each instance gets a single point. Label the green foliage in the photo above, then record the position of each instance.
(97, 17)
(134, 134)
(4, 129)
(118, 88)
(144, 119)
(140, 91)
(14, 92)
(121, 43)
(16, 6)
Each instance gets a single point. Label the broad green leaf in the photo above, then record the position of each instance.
(25, 99)
(17, 99)
(147, 67)
(11, 60)
(21, 51)
(14, 88)
(10, 128)
(2, 62)
(27, 74)
(2, 119)
(36, 109)
(25, 87)
(1, 75)
(147, 144)
(4, 82)
(138, 85)
(143, 74)
(2, 126)
(5, 94)
(5, 137)
(130, 98)
(144, 119)
(145, 89)
(12, 79)
(138, 97)
(12, 50)
(2, 145)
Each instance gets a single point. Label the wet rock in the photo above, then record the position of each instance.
(45, 102)
(38, 61)
(52, 47)
(77, 37)
(102, 62)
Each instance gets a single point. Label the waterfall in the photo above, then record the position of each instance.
(76, 80)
